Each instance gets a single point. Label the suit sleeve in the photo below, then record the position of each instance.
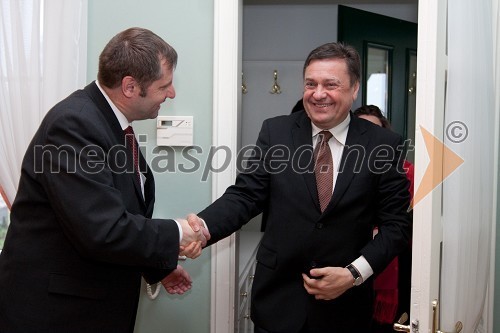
(91, 203)
(394, 220)
(246, 198)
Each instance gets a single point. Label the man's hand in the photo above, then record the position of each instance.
(334, 282)
(195, 236)
(192, 240)
(177, 282)
(192, 250)
(197, 223)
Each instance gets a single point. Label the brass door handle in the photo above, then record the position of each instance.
(435, 322)
(399, 327)
(413, 327)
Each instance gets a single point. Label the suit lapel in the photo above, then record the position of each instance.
(302, 140)
(95, 94)
(353, 150)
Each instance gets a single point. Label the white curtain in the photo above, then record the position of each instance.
(489, 316)
(42, 60)
(468, 194)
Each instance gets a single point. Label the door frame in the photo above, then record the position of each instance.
(228, 16)
(427, 231)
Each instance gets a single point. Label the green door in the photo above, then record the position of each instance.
(387, 47)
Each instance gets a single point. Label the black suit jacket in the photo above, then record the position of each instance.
(279, 181)
(81, 233)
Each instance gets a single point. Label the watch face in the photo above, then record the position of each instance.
(358, 281)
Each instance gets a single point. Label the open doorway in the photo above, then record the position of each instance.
(276, 39)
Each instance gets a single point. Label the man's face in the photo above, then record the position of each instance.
(328, 94)
(147, 106)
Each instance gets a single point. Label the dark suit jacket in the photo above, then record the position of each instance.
(81, 234)
(279, 181)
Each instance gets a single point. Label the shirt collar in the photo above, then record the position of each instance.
(119, 115)
(339, 132)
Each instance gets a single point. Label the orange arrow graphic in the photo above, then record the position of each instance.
(443, 161)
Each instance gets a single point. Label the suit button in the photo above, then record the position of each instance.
(319, 225)
(313, 264)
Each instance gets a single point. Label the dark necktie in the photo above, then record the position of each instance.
(132, 144)
(323, 169)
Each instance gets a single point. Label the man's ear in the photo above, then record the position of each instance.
(355, 91)
(129, 86)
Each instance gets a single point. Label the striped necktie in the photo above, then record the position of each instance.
(323, 169)
(132, 144)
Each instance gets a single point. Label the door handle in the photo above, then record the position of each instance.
(435, 320)
(399, 325)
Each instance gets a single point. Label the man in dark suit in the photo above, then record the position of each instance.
(81, 233)
(315, 258)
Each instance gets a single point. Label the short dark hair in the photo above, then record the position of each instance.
(135, 52)
(337, 51)
(373, 110)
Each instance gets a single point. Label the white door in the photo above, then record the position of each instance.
(465, 269)
(430, 110)
(427, 230)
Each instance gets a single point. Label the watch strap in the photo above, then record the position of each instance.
(358, 279)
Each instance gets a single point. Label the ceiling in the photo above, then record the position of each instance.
(324, 2)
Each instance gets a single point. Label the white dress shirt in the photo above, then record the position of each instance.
(337, 144)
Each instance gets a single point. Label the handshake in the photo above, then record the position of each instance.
(194, 236)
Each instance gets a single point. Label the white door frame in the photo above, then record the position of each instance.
(427, 230)
(226, 107)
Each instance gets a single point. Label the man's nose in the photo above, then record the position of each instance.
(319, 92)
(170, 92)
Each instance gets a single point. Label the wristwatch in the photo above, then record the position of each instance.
(358, 279)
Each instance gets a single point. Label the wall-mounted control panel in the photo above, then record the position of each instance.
(174, 130)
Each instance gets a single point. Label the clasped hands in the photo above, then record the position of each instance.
(194, 236)
(328, 283)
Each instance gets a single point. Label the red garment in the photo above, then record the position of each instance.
(386, 294)
(386, 283)
(410, 171)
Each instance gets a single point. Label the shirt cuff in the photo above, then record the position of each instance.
(363, 267)
(180, 230)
